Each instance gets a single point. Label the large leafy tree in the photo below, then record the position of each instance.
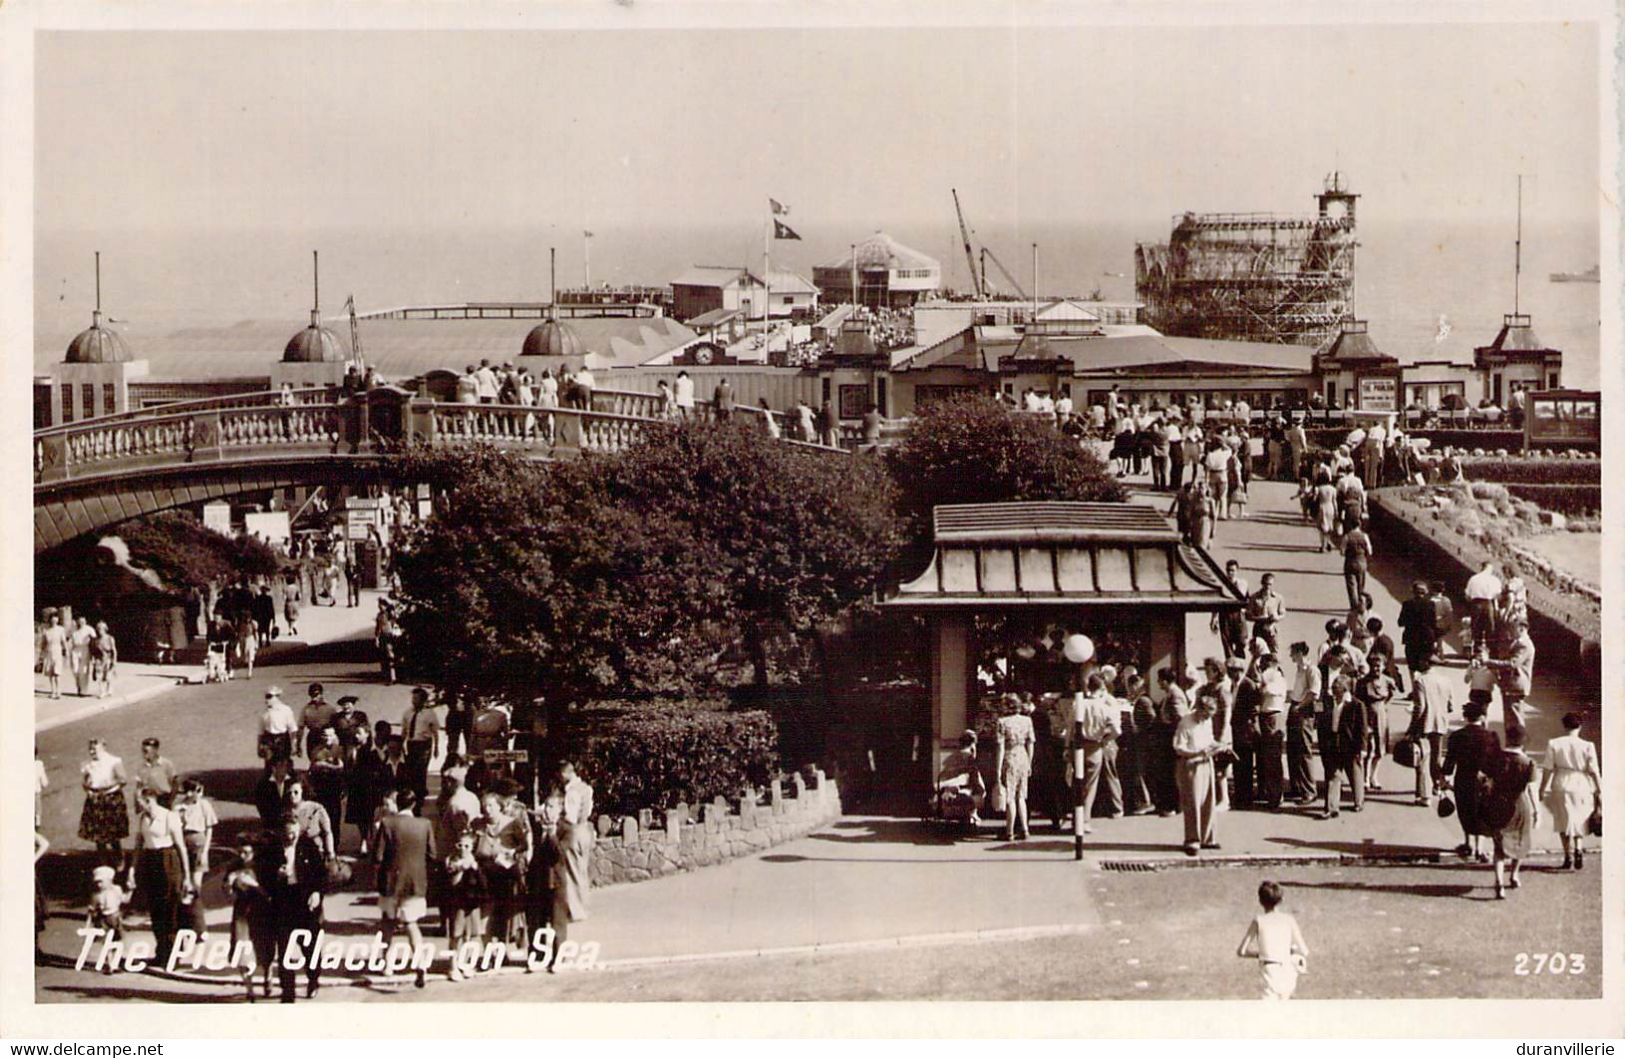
(635, 572)
(975, 450)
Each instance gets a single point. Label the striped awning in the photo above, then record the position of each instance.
(1025, 554)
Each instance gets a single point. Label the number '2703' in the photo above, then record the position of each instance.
(1527, 964)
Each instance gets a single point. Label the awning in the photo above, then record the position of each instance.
(996, 555)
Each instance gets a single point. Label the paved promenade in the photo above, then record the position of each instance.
(861, 881)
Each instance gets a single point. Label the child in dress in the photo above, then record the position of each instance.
(107, 908)
(1275, 939)
(465, 901)
(251, 919)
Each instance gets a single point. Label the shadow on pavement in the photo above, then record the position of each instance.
(1359, 848)
(1421, 889)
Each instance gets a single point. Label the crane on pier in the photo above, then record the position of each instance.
(977, 282)
(989, 255)
(355, 334)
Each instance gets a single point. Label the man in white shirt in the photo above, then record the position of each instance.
(1100, 722)
(1063, 407)
(1272, 709)
(1483, 588)
(683, 394)
(485, 381)
(584, 387)
(1194, 746)
(277, 726)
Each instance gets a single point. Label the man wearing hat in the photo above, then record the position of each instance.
(277, 727)
(316, 715)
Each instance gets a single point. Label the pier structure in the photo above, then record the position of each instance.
(1257, 277)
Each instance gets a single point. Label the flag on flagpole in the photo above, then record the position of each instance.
(779, 208)
(782, 230)
(586, 234)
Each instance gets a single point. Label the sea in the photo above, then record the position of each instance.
(1429, 289)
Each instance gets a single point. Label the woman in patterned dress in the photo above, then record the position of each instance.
(105, 821)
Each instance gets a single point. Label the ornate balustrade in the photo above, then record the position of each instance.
(315, 395)
(364, 424)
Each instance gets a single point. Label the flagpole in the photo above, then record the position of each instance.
(586, 259)
(767, 282)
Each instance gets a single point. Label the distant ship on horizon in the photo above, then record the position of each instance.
(1590, 275)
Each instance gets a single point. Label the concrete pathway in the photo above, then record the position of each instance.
(870, 880)
(138, 681)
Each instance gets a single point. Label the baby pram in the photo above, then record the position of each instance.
(215, 669)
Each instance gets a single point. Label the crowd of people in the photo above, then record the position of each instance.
(87, 652)
(500, 851)
(1243, 729)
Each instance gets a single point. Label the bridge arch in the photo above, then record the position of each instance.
(93, 474)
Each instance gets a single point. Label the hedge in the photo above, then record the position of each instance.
(1564, 498)
(1535, 471)
(657, 754)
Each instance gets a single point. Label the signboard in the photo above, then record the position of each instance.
(273, 525)
(1378, 394)
(357, 522)
(1563, 417)
(217, 516)
(506, 756)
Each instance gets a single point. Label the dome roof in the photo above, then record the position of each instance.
(552, 338)
(314, 345)
(97, 345)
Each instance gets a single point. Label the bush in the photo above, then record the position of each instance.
(185, 554)
(1553, 471)
(659, 753)
(1565, 499)
(975, 450)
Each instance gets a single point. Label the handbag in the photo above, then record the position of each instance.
(1594, 824)
(998, 797)
(1405, 752)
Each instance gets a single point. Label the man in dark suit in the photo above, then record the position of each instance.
(294, 875)
(1419, 624)
(264, 610)
(405, 847)
(722, 401)
(1343, 731)
(270, 791)
(1244, 735)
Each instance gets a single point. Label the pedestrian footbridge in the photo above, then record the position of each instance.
(99, 472)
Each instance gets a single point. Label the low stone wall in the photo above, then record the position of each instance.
(652, 844)
(1563, 625)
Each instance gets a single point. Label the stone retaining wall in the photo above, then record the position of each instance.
(652, 844)
(1555, 622)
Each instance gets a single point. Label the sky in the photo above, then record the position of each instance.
(281, 130)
